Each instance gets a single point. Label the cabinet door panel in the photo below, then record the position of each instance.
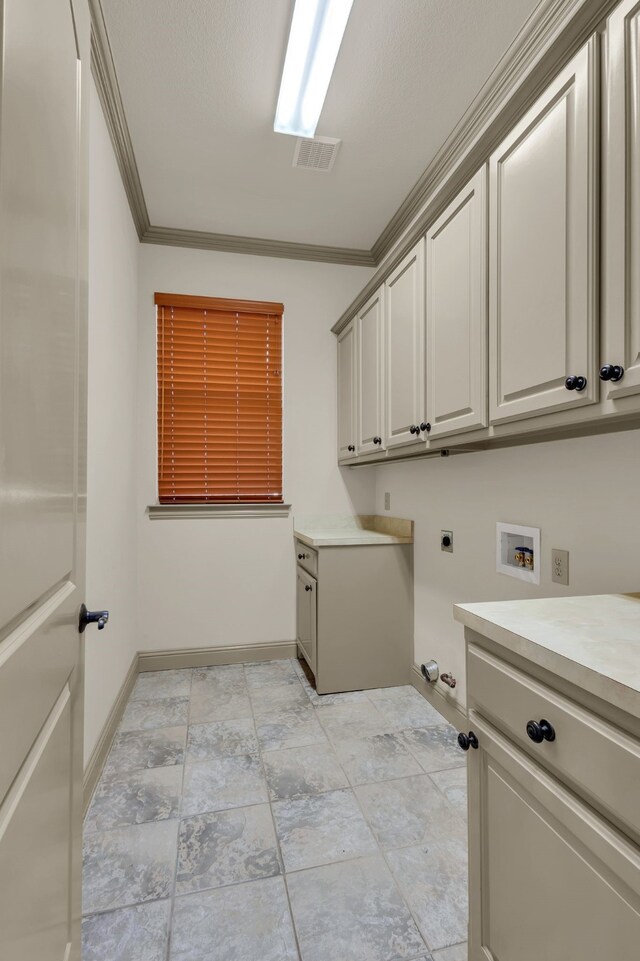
(369, 373)
(621, 201)
(404, 348)
(548, 877)
(457, 313)
(346, 392)
(542, 251)
(306, 612)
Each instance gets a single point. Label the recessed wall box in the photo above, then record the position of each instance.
(518, 551)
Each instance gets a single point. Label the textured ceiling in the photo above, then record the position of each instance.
(199, 81)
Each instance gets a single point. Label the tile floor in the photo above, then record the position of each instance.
(243, 817)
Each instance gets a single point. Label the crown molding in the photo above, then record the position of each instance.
(550, 36)
(104, 73)
(177, 237)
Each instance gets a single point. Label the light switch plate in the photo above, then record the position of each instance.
(559, 566)
(387, 501)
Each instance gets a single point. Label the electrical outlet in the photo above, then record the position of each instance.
(446, 541)
(559, 566)
(387, 502)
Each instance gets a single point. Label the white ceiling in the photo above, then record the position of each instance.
(200, 78)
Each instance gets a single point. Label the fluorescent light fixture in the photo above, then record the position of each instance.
(316, 33)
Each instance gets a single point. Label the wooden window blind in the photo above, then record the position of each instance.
(219, 400)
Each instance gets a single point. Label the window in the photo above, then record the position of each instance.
(219, 400)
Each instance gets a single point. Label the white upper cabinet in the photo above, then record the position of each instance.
(369, 374)
(346, 392)
(456, 254)
(543, 282)
(621, 206)
(404, 349)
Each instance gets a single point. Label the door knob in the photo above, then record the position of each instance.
(92, 617)
(612, 372)
(575, 382)
(540, 731)
(466, 741)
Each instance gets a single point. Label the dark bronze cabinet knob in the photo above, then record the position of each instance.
(613, 372)
(575, 382)
(351, 447)
(426, 426)
(465, 741)
(377, 440)
(414, 430)
(308, 587)
(539, 731)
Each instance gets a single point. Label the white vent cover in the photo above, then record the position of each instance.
(317, 153)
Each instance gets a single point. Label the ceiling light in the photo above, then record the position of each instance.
(316, 33)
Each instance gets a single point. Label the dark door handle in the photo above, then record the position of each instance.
(92, 617)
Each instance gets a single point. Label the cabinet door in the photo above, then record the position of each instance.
(369, 374)
(543, 279)
(346, 393)
(404, 349)
(621, 201)
(548, 878)
(306, 612)
(457, 313)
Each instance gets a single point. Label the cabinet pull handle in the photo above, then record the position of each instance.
(575, 382)
(465, 741)
(308, 587)
(425, 425)
(414, 430)
(377, 440)
(539, 731)
(351, 447)
(301, 557)
(612, 372)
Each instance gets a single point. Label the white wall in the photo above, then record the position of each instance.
(111, 454)
(215, 581)
(582, 493)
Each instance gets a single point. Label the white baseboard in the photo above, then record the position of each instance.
(99, 754)
(451, 712)
(211, 656)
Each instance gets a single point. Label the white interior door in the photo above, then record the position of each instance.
(42, 491)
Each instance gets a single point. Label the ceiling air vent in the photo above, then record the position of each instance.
(317, 153)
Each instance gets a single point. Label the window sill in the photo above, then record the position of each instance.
(193, 511)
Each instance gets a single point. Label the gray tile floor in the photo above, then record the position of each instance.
(243, 817)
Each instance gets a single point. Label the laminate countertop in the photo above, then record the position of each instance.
(347, 531)
(593, 642)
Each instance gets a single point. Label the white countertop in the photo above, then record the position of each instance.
(346, 531)
(593, 642)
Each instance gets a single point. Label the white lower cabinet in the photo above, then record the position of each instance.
(543, 281)
(549, 878)
(554, 818)
(620, 359)
(306, 615)
(456, 256)
(404, 350)
(369, 374)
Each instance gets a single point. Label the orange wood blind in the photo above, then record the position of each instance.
(219, 400)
